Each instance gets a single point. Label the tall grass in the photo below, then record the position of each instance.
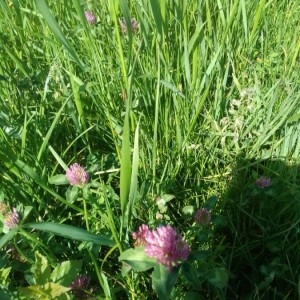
(201, 100)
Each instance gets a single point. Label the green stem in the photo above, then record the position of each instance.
(113, 229)
(110, 220)
(154, 150)
(98, 272)
(108, 254)
(21, 252)
(86, 215)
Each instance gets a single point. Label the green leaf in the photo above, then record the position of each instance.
(194, 296)
(66, 272)
(72, 232)
(8, 295)
(4, 272)
(211, 202)
(72, 193)
(172, 87)
(190, 274)
(26, 212)
(163, 281)
(106, 286)
(137, 259)
(59, 179)
(188, 210)
(217, 277)
(168, 197)
(7, 237)
(41, 270)
(293, 118)
(46, 291)
(160, 202)
(125, 269)
(200, 255)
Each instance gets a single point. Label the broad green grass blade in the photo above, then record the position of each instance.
(134, 179)
(257, 19)
(58, 158)
(7, 237)
(71, 232)
(156, 115)
(125, 169)
(245, 20)
(156, 10)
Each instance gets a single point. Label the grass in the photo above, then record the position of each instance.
(198, 103)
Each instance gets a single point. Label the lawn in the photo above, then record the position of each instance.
(149, 149)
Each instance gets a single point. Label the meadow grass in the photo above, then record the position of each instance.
(184, 112)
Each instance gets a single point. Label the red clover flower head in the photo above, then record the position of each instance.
(77, 175)
(202, 217)
(166, 246)
(140, 235)
(79, 285)
(90, 17)
(11, 219)
(134, 25)
(263, 182)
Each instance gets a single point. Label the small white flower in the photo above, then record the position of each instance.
(224, 121)
(238, 122)
(235, 102)
(247, 92)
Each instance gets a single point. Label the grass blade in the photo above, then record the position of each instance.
(45, 11)
(71, 232)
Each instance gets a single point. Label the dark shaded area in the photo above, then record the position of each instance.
(262, 231)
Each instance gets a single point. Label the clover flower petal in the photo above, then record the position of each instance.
(134, 25)
(202, 216)
(263, 182)
(11, 219)
(78, 286)
(77, 175)
(140, 235)
(166, 246)
(90, 17)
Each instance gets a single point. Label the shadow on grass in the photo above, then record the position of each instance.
(262, 231)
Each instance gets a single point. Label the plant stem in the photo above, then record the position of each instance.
(86, 215)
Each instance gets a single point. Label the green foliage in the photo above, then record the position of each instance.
(163, 281)
(71, 232)
(183, 112)
(48, 283)
(45, 291)
(41, 271)
(64, 272)
(137, 259)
